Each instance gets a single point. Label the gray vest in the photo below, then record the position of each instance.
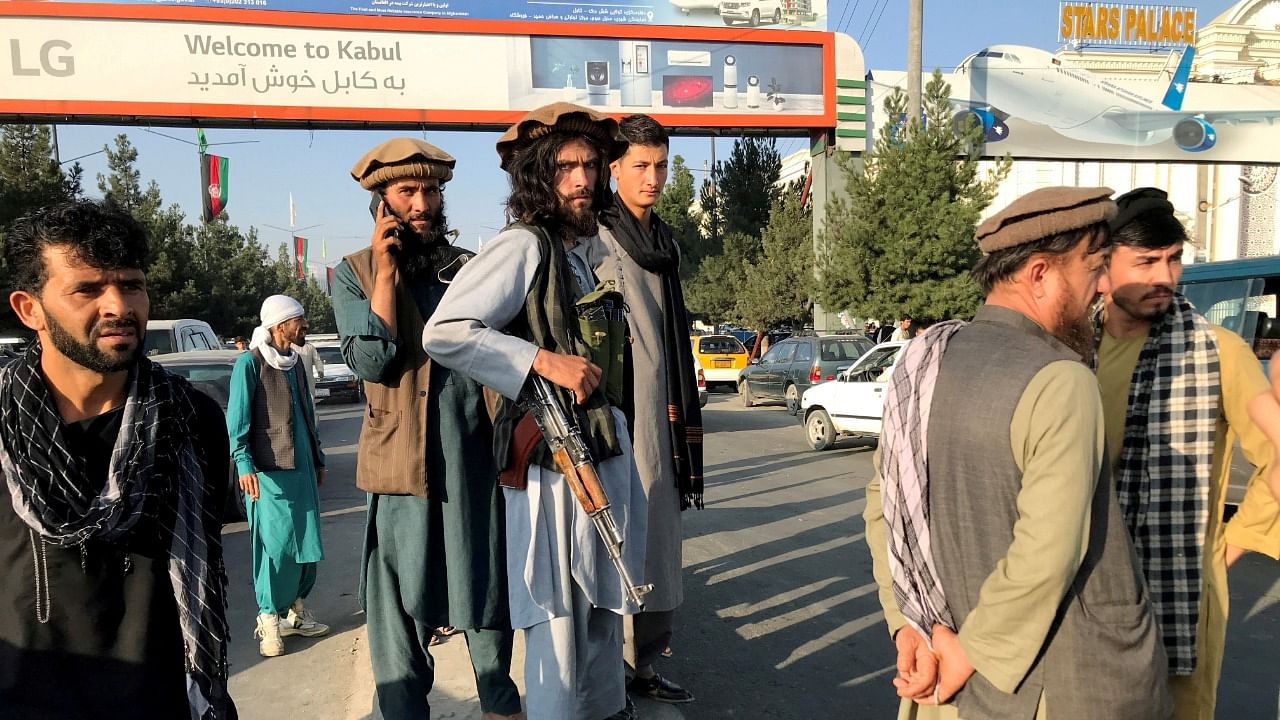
(271, 435)
(1102, 658)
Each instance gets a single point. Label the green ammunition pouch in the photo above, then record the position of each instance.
(602, 321)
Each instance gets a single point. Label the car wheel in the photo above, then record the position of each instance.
(777, 16)
(755, 18)
(727, 21)
(793, 399)
(748, 397)
(819, 431)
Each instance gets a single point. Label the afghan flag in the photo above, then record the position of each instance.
(328, 280)
(300, 252)
(213, 185)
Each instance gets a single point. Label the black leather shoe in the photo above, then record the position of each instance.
(660, 689)
(627, 713)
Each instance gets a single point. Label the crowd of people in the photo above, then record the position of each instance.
(1058, 548)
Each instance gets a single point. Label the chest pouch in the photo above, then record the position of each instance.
(602, 321)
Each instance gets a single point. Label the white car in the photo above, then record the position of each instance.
(685, 6)
(853, 403)
(702, 382)
(751, 12)
(339, 381)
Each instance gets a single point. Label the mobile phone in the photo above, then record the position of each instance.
(376, 200)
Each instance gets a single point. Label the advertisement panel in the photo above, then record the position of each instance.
(1033, 104)
(780, 14)
(196, 63)
(1092, 23)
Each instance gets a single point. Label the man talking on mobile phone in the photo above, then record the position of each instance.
(434, 544)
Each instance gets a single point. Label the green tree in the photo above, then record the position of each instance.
(285, 281)
(712, 293)
(903, 240)
(745, 188)
(123, 183)
(779, 285)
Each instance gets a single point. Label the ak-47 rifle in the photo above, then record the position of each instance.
(573, 458)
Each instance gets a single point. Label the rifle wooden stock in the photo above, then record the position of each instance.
(583, 481)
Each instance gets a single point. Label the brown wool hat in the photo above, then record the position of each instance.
(561, 117)
(1045, 212)
(402, 157)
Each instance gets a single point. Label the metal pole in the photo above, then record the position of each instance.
(53, 131)
(915, 61)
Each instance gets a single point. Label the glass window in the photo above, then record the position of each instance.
(874, 365)
(842, 350)
(158, 342)
(331, 355)
(720, 345)
(804, 352)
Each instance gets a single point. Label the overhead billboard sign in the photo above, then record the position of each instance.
(195, 63)
(1118, 24)
(1033, 104)
(779, 14)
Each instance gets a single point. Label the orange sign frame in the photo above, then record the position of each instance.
(127, 112)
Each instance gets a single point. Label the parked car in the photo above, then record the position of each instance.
(176, 336)
(852, 404)
(751, 11)
(209, 371)
(339, 382)
(702, 382)
(722, 358)
(794, 365)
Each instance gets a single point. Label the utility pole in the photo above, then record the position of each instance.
(915, 61)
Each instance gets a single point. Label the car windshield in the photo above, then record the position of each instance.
(878, 359)
(844, 350)
(331, 355)
(158, 342)
(213, 379)
(720, 345)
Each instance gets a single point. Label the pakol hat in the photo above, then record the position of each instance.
(561, 117)
(1043, 213)
(1138, 202)
(402, 157)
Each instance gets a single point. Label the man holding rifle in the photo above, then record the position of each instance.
(525, 317)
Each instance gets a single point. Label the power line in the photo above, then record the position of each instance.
(873, 27)
(847, 15)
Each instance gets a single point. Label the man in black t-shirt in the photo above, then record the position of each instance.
(112, 587)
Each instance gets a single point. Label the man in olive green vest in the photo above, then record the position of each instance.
(433, 553)
(1006, 575)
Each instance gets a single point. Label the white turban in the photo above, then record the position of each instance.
(280, 308)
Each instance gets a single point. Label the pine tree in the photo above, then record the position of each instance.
(30, 177)
(745, 187)
(779, 286)
(123, 184)
(903, 240)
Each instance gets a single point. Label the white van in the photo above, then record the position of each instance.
(174, 336)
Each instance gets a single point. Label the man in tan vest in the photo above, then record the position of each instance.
(433, 552)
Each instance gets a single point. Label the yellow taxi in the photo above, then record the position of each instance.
(722, 357)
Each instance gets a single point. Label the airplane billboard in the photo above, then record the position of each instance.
(1034, 104)
(777, 14)
(193, 64)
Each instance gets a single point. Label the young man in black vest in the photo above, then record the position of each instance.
(274, 443)
(112, 587)
(510, 313)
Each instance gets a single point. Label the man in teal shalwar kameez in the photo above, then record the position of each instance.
(271, 423)
(434, 543)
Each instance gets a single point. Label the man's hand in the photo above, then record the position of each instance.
(249, 484)
(917, 667)
(384, 241)
(1234, 553)
(319, 476)
(954, 669)
(570, 372)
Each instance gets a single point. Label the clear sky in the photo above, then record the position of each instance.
(314, 165)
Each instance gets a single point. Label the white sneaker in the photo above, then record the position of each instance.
(300, 621)
(270, 644)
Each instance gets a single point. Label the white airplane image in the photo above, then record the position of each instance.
(1013, 81)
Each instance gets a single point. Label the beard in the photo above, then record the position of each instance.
(1133, 306)
(1076, 331)
(89, 355)
(581, 223)
(418, 250)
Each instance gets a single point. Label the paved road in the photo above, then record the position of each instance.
(780, 618)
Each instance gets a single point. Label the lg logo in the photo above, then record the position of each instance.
(54, 59)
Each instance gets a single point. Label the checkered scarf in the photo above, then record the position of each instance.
(154, 469)
(904, 471)
(1165, 467)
